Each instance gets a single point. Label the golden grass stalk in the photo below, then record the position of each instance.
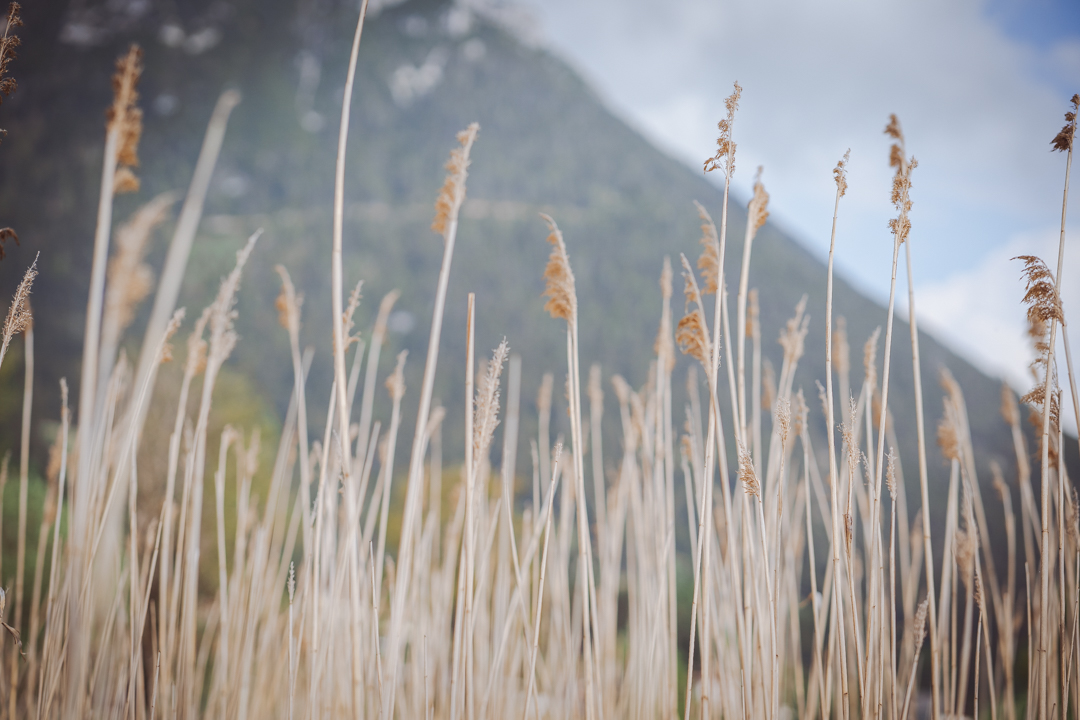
(19, 316)
(562, 304)
(414, 489)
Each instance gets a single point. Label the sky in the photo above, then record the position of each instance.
(980, 87)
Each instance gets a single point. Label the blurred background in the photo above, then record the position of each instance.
(599, 113)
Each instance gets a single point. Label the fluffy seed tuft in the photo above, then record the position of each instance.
(724, 159)
(1063, 141)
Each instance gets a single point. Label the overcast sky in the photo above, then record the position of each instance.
(980, 87)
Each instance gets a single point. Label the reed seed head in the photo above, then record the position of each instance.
(1009, 410)
(125, 118)
(452, 194)
(758, 209)
(129, 277)
(800, 413)
(692, 333)
(890, 474)
(1063, 141)
(747, 475)
(920, 623)
(560, 289)
(709, 262)
(1041, 295)
(841, 351)
(19, 317)
(396, 382)
(724, 159)
(840, 174)
(288, 301)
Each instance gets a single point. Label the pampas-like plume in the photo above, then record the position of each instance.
(560, 290)
(452, 194)
(19, 316)
(709, 262)
(125, 118)
(129, 278)
(757, 212)
(1062, 142)
(747, 476)
(724, 159)
(901, 189)
(840, 173)
(1041, 296)
(487, 403)
(692, 334)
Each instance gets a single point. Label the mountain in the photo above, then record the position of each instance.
(426, 69)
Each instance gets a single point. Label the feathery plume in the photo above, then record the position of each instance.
(757, 211)
(890, 474)
(130, 279)
(747, 476)
(800, 413)
(901, 189)
(1063, 141)
(783, 421)
(486, 410)
(19, 316)
(840, 173)
(724, 159)
(560, 290)
(692, 333)
(1009, 410)
(1041, 296)
(709, 262)
(125, 118)
(793, 336)
(288, 301)
(870, 357)
(920, 624)
(841, 350)
(947, 435)
(347, 316)
(395, 384)
(452, 194)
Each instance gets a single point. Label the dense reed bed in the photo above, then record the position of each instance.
(815, 587)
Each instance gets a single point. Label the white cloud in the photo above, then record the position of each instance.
(978, 107)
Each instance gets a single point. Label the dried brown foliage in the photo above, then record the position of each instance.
(452, 194)
(560, 290)
(724, 159)
(1063, 141)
